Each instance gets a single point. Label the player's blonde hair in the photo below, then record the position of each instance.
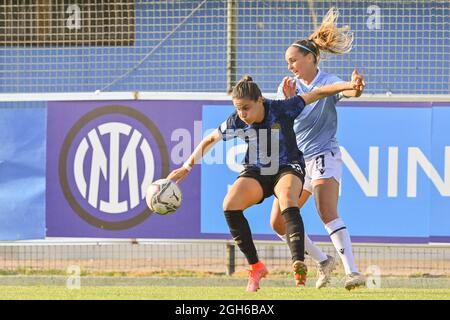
(327, 38)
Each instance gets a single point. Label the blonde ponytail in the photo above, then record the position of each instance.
(329, 38)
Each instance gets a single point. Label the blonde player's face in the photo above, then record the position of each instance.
(248, 110)
(299, 64)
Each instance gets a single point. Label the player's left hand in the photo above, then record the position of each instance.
(178, 175)
(358, 81)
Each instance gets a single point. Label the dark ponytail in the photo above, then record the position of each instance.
(246, 89)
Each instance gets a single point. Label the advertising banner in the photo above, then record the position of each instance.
(102, 156)
(439, 172)
(396, 177)
(22, 171)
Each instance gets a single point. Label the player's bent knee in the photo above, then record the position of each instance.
(284, 195)
(231, 204)
(288, 204)
(286, 200)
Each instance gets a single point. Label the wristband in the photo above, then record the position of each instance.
(187, 166)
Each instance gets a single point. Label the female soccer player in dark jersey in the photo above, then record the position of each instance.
(268, 170)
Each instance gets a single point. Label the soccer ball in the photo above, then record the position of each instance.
(163, 196)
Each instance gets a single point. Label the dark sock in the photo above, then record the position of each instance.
(241, 233)
(295, 232)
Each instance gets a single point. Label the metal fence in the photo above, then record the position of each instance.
(402, 46)
(153, 257)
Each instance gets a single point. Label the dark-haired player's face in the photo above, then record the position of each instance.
(248, 110)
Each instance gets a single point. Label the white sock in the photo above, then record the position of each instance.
(282, 237)
(341, 241)
(313, 251)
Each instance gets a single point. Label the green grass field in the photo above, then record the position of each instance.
(216, 293)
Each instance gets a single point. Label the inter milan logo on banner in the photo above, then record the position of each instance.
(108, 159)
(113, 168)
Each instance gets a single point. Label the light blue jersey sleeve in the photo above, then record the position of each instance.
(331, 79)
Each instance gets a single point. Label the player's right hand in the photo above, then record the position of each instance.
(178, 175)
(358, 80)
(289, 87)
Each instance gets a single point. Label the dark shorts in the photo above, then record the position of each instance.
(268, 182)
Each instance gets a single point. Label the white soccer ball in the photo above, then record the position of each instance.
(163, 196)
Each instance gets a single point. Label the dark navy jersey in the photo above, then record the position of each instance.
(273, 138)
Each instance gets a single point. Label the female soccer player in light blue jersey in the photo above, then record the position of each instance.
(315, 130)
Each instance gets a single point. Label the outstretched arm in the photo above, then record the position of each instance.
(326, 91)
(203, 147)
(357, 83)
